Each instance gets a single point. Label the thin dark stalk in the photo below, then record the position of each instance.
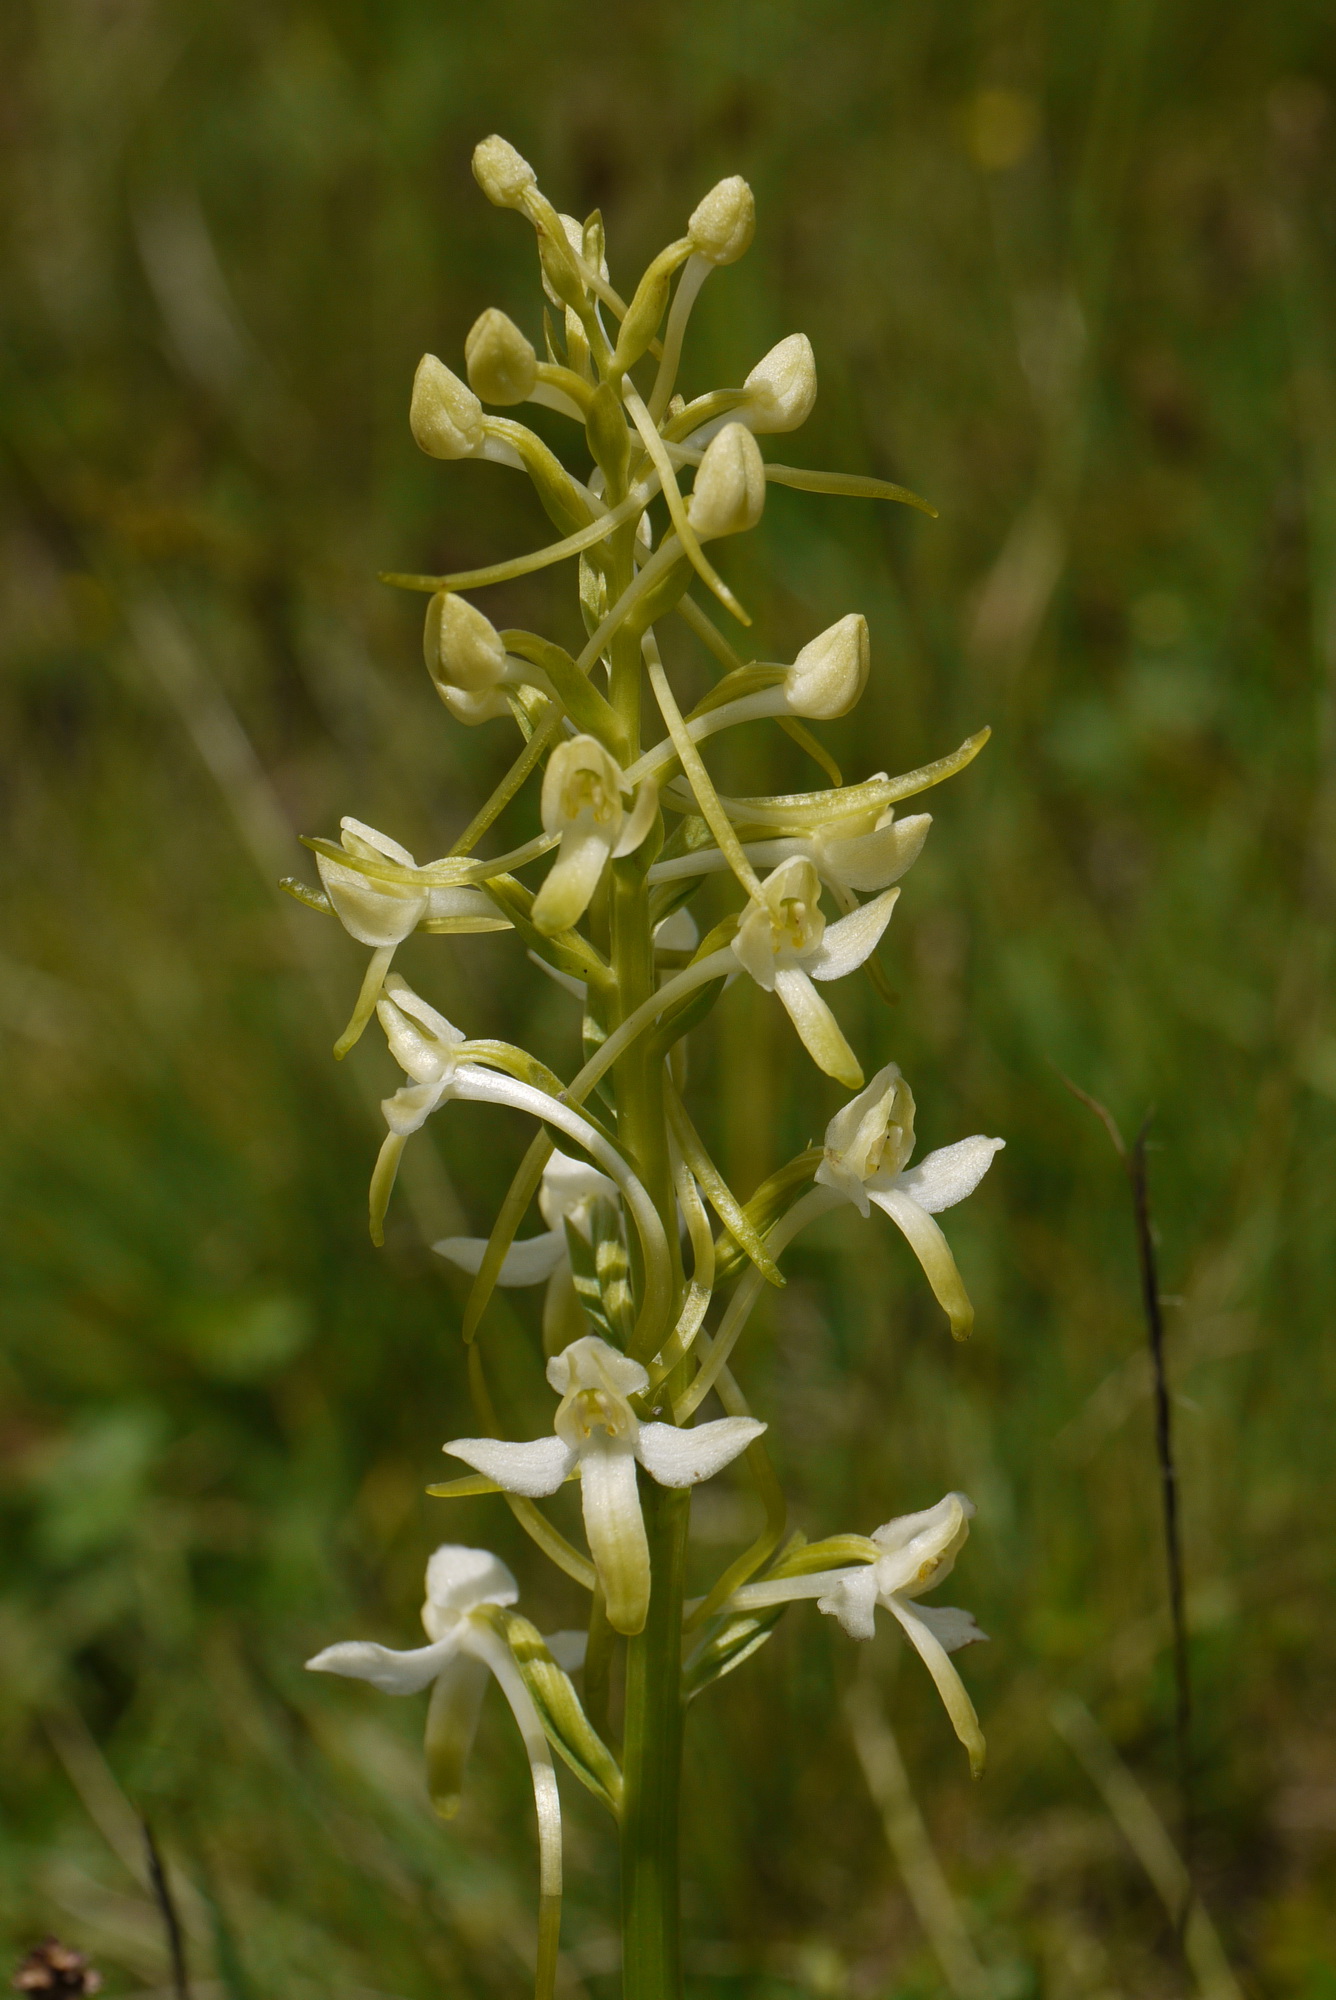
(176, 1945)
(1134, 1165)
(1135, 1162)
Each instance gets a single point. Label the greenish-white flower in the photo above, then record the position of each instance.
(785, 943)
(582, 803)
(866, 1160)
(567, 1194)
(916, 1552)
(599, 1438)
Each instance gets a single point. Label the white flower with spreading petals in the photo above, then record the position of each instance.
(599, 1438)
(435, 1055)
(785, 943)
(868, 1146)
(582, 803)
(464, 1647)
(568, 1192)
(917, 1552)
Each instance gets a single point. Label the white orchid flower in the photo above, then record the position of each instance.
(567, 1193)
(434, 1054)
(785, 943)
(380, 895)
(382, 907)
(599, 1438)
(582, 802)
(463, 1649)
(917, 1552)
(867, 1152)
(866, 851)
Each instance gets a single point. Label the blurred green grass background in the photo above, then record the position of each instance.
(1068, 271)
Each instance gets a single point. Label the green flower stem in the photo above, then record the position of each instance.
(652, 1762)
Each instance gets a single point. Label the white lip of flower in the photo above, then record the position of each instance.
(784, 942)
(463, 1649)
(868, 1146)
(568, 1191)
(598, 1436)
(582, 802)
(918, 1551)
(433, 1052)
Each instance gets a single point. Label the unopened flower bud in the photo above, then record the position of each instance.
(461, 647)
(445, 416)
(504, 175)
(831, 671)
(501, 363)
(724, 222)
(729, 491)
(781, 388)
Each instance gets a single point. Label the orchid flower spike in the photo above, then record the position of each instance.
(567, 1194)
(435, 1056)
(916, 1553)
(784, 942)
(582, 802)
(463, 1648)
(868, 1146)
(599, 1438)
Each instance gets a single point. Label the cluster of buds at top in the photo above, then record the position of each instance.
(633, 827)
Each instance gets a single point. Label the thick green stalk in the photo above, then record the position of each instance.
(652, 1762)
(652, 1752)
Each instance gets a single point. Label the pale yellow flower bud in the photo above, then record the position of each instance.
(782, 386)
(729, 490)
(723, 223)
(445, 416)
(461, 647)
(831, 671)
(502, 366)
(503, 174)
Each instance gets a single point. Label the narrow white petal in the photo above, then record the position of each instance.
(616, 1530)
(391, 1672)
(821, 1034)
(950, 1687)
(951, 1628)
(525, 1263)
(853, 1600)
(943, 1178)
(531, 1469)
(847, 943)
(933, 1251)
(568, 1649)
(571, 881)
(452, 1724)
(676, 1457)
